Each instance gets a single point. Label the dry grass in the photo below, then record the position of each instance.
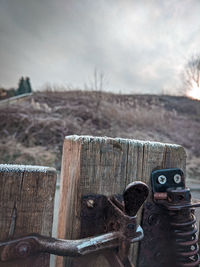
(15, 152)
(32, 131)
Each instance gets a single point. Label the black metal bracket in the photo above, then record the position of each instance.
(161, 180)
(108, 226)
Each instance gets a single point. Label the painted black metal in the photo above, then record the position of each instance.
(169, 223)
(169, 174)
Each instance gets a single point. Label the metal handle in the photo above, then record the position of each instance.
(134, 196)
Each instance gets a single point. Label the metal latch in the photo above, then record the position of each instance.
(169, 223)
(108, 226)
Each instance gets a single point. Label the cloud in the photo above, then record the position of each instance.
(140, 46)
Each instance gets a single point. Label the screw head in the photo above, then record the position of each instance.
(162, 179)
(90, 203)
(177, 178)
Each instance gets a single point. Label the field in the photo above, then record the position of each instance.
(32, 130)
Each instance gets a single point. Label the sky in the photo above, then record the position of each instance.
(136, 46)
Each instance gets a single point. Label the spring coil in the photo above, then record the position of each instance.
(184, 229)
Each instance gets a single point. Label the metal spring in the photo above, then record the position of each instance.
(184, 231)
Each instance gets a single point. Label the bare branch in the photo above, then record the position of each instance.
(191, 74)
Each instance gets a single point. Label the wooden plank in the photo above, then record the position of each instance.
(94, 165)
(26, 206)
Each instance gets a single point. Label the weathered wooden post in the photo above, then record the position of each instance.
(95, 165)
(26, 206)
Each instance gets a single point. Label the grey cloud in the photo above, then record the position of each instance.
(140, 46)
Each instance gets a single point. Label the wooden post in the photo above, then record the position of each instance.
(94, 165)
(26, 206)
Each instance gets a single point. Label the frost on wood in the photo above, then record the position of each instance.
(23, 168)
(104, 139)
(26, 206)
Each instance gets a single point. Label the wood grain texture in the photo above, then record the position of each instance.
(94, 165)
(26, 206)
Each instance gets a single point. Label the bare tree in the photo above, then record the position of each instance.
(191, 75)
(97, 86)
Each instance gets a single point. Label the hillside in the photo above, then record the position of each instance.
(32, 131)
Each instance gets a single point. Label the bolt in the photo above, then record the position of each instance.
(193, 248)
(162, 179)
(177, 178)
(90, 203)
(23, 249)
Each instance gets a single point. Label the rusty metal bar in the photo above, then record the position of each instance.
(29, 245)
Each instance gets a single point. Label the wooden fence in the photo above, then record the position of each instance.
(90, 165)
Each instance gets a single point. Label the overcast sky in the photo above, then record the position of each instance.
(140, 46)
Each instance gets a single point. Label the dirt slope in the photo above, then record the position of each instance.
(32, 131)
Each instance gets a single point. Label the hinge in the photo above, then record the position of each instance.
(169, 223)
